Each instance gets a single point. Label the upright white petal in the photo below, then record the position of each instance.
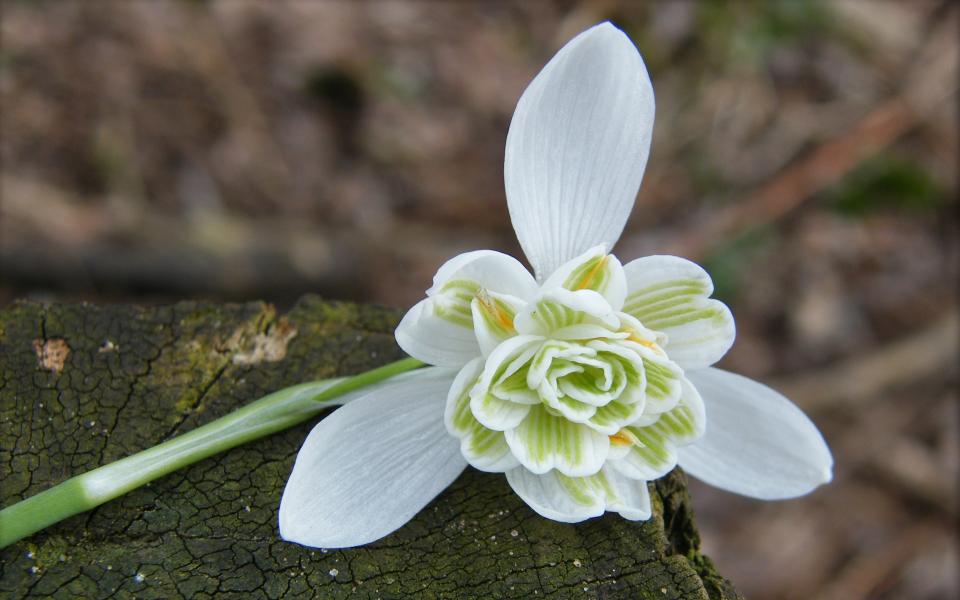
(368, 468)
(577, 148)
(757, 442)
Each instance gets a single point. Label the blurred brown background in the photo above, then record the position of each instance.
(804, 152)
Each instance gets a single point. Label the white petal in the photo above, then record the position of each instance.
(494, 413)
(757, 442)
(593, 270)
(435, 340)
(503, 372)
(557, 308)
(575, 499)
(672, 295)
(439, 330)
(493, 316)
(493, 271)
(543, 442)
(577, 148)
(656, 453)
(485, 449)
(612, 417)
(369, 467)
(664, 381)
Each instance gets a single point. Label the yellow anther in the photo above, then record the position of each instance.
(495, 311)
(624, 437)
(634, 337)
(647, 343)
(592, 273)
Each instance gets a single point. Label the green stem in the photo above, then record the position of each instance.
(274, 412)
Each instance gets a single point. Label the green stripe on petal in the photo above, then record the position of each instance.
(495, 413)
(558, 308)
(493, 316)
(544, 441)
(672, 295)
(653, 453)
(484, 448)
(663, 384)
(593, 274)
(568, 407)
(574, 499)
(588, 490)
(611, 418)
(593, 270)
(452, 301)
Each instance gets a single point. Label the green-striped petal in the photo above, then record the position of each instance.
(672, 295)
(505, 371)
(543, 442)
(495, 413)
(557, 309)
(593, 270)
(493, 316)
(439, 329)
(613, 417)
(653, 447)
(485, 449)
(664, 384)
(574, 499)
(569, 408)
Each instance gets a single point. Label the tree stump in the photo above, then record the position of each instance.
(83, 385)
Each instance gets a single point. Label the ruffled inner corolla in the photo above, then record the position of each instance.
(581, 382)
(568, 387)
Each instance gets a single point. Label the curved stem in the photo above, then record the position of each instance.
(275, 412)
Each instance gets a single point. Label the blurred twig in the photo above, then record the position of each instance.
(930, 82)
(868, 572)
(862, 378)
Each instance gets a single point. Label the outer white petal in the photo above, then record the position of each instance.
(436, 341)
(368, 468)
(672, 295)
(577, 148)
(575, 499)
(757, 442)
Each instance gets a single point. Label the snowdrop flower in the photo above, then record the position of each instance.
(581, 383)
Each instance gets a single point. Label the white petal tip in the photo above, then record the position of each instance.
(372, 465)
(608, 30)
(757, 442)
(826, 476)
(577, 147)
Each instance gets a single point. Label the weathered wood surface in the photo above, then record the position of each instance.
(83, 385)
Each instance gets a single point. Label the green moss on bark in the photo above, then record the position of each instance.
(134, 377)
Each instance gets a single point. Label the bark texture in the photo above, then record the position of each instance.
(83, 385)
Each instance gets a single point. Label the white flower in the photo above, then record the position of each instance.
(580, 384)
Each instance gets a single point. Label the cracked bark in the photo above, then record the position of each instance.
(132, 377)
